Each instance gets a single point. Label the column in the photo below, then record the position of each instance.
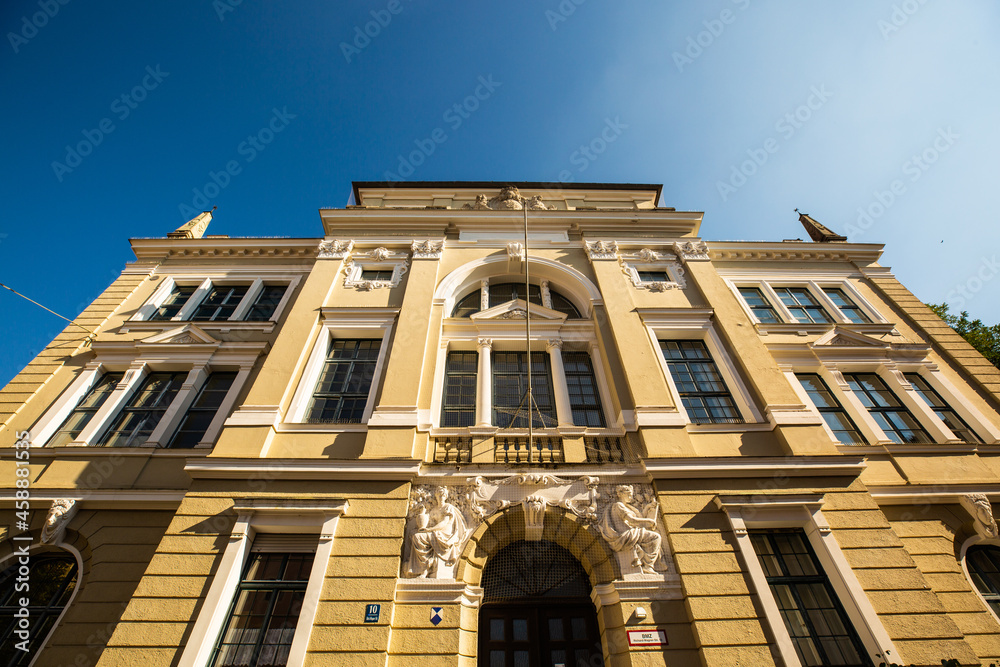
(484, 392)
(559, 389)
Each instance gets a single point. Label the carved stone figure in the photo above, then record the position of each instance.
(602, 249)
(979, 507)
(59, 515)
(334, 249)
(438, 534)
(515, 250)
(427, 249)
(509, 199)
(631, 529)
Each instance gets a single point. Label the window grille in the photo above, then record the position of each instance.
(702, 389)
(342, 392)
(460, 379)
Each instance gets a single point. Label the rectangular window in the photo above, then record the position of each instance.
(265, 305)
(761, 307)
(460, 377)
(137, 420)
(261, 623)
(174, 302)
(510, 390)
(85, 410)
(802, 304)
(950, 418)
(220, 303)
(833, 413)
(653, 276)
(376, 274)
(820, 629)
(202, 411)
(702, 389)
(584, 399)
(850, 309)
(342, 392)
(892, 416)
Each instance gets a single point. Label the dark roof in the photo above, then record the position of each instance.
(496, 185)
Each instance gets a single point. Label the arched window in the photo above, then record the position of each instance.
(504, 292)
(52, 577)
(984, 569)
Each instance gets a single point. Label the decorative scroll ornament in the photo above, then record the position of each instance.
(629, 526)
(427, 249)
(651, 260)
(335, 249)
(379, 254)
(515, 250)
(647, 255)
(515, 314)
(602, 249)
(979, 507)
(509, 199)
(691, 250)
(59, 515)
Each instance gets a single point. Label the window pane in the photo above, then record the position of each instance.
(85, 411)
(173, 303)
(220, 303)
(582, 387)
(459, 404)
(850, 310)
(202, 411)
(832, 412)
(342, 391)
(802, 304)
(52, 578)
(139, 418)
(702, 389)
(265, 305)
(890, 414)
(759, 304)
(510, 389)
(955, 424)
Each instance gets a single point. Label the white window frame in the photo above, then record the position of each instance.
(204, 286)
(815, 286)
(340, 323)
(649, 260)
(696, 324)
(837, 391)
(977, 541)
(976, 420)
(261, 516)
(379, 259)
(803, 511)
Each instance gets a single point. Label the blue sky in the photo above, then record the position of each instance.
(879, 118)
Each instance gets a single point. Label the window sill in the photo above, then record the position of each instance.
(729, 428)
(806, 328)
(295, 427)
(223, 325)
(493, 431)
(71, 451)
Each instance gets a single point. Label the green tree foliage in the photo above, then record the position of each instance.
(984, 338)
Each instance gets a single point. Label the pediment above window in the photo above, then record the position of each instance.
(517, 310)
(189, 334)
(838, 337)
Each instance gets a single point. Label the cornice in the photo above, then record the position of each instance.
(391, 469)
(223, 248)
(934, 494)
(861, 253)
(764, 466)
(119, 499)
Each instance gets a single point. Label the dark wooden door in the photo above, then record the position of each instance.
(543, 633)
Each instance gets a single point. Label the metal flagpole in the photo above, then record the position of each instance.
(527, 329)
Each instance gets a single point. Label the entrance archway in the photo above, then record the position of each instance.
(537, 610)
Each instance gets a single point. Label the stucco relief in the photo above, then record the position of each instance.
(334, 249)
(979, 507)
(691, 250)
(427, 249)
(602, 250)
(442, 518)
(509, 199)
(60, 513)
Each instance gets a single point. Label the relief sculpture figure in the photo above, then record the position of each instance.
(436, 538)
(630, 529)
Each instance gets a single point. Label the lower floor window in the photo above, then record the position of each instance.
(261, 623)
(815, 620)
(53, 579)
(984, 568)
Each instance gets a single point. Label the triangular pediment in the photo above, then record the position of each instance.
(189, 334)
(839, 337)
(517, 310)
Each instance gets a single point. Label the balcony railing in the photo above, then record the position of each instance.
(514, 450)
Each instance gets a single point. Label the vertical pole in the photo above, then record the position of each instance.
(527, 329)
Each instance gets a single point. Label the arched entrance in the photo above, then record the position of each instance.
(537, 610)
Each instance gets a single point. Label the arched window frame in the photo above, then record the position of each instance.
(977, 541)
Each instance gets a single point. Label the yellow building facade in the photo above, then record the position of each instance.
(324, 451)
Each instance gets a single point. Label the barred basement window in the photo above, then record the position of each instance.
(702, 389)
(459, 405)
(267, 302)
(85, 410)
(984, 568)
(584, 399)
(202, 411)
(53, 579)
(510, 387)
(832, 412)
(342, 392)
(892, 416)
(759, 305)
(815, 619)
(220, 303)
(802, 304)
(950, 418)
(849, 309)
(173, 303)
(137, 420)
(261, 623)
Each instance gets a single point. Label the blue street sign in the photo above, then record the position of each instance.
(371, 612)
